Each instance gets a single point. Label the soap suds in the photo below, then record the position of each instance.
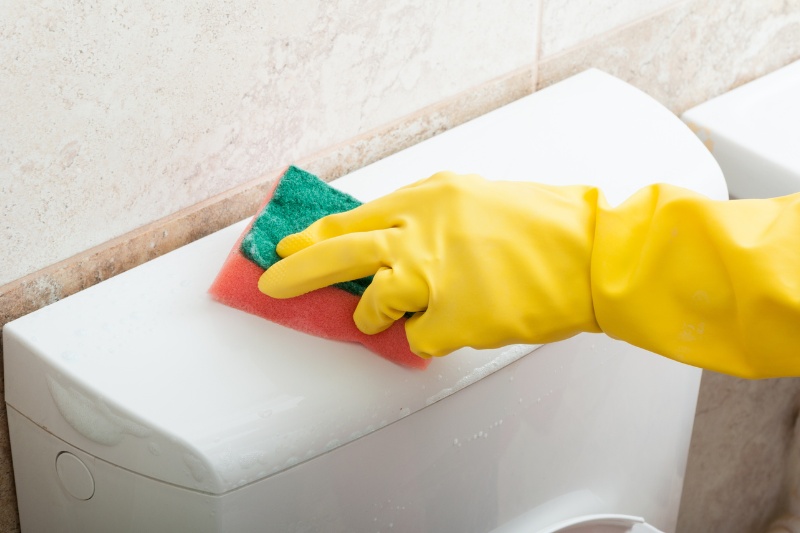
(505, 358)
(196, 467)
(92, 418)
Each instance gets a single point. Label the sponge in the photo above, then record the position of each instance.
(297, 200)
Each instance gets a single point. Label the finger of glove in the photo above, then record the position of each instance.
(382, 213)
(426, 340)
(344, 258)
(387, 299)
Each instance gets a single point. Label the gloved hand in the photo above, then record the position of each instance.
(481, 263)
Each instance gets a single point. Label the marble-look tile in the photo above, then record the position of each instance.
(423, 124)
(697, 50)
(743, 436)
(568, 23)
(123, 112)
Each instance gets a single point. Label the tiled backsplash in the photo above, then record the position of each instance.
(569, 24)
(689, 52)
(124, 113)
(130, 129)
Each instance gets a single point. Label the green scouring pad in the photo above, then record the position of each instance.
(297, 200)
(300, 199)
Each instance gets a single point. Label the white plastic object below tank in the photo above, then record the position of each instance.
(189, 415)
(754, 133)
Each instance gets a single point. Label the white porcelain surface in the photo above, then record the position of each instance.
(582, 427)
(591, 128)
(753, 133)
(145, 372)
(603, 523)
(151, 374)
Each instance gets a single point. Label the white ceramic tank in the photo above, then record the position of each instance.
(142, 405)
(754, 133)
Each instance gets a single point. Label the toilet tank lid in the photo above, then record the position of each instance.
(147, 372)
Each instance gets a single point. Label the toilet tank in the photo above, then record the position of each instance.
(754, 133)
(143, 405)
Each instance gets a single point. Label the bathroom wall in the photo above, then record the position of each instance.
(130, 128)
(124, 113)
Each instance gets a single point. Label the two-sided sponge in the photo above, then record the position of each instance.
(297, 200)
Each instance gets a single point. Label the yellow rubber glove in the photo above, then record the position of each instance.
(713, 284)
(483, 263)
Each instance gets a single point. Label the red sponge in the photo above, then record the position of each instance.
(326, 312)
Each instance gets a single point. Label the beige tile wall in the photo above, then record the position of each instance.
(132, 128)
(568, 24)
(124, 112)
(691, 51)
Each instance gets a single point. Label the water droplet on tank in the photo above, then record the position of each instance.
(70, 356)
